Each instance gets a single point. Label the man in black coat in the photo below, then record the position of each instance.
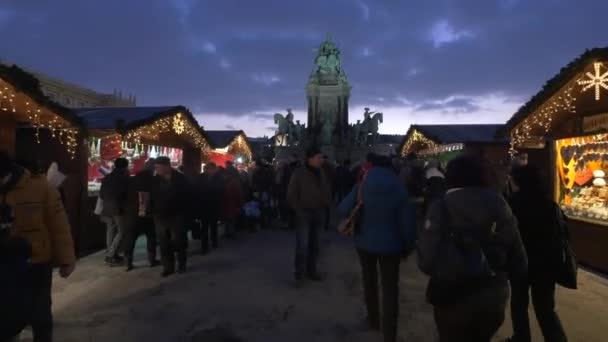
(170, 197)
(211, 191)
(139, 215)
(114, 192)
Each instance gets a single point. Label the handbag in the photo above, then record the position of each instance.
(460, 256)
(349, 226)
(567, 264)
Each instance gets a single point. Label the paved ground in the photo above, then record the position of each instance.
(243, 292)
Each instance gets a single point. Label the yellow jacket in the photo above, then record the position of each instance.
(41, 220)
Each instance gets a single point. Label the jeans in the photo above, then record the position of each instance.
(389, 272)
(173, 239)
(477, 318)
(543, 298)
(142, 225)
(209, 227)
(309, 224)
(115, 231)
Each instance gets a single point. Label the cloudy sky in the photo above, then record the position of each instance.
(236, 62)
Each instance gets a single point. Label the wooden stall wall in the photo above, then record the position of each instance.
(7, 134)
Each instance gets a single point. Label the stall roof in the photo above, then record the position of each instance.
(124, 119)
(220, 139)
(453, 134)
(109, 117)
(26, 83)
(553, 86)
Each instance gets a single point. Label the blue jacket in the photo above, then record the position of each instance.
(388, 220)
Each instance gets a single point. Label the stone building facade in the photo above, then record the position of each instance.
(75, 96)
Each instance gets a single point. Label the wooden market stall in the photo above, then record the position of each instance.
(563, 129)
(137, 133)
(228, 146)
(444, 142)
(37, 131)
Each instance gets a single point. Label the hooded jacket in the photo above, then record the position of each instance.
(40, 219)
(388, 221)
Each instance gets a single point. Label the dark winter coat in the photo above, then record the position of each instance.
(539, 230)
(113, 192)
(170, 197)
(309, 189)
(487, 211)
(211, 193)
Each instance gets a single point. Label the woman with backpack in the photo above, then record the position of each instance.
(539, 225)
(470, 247)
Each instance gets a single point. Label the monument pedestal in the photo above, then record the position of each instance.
(329, 100)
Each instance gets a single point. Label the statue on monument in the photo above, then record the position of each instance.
(327, 128)
(286, 132)
(328, 68)
(366, 132)
(300, 130)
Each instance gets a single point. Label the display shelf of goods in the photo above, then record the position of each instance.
(103, 152)
(582, 164)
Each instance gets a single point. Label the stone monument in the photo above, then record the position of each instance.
(328, 93)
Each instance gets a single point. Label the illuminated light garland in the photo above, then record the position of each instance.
(59, 128)
(167, 124)
(239, 144)
(596, 80)
(417, 137)
(178, 124)
(542, 119)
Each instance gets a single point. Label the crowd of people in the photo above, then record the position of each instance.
(507, 224)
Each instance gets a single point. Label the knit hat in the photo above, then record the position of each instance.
(163, 161)
(312, 151)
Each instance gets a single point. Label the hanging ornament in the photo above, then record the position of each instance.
(179, 125)
(596, 80)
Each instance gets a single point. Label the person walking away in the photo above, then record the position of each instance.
(212, 187)
(169, 194)
(330, 173)
(113, 193)
(469, 298)
(435, 183)
(38, 217)
(309, 196)
(387, 231)
(233, 200)
(538, 225)
(139, 215)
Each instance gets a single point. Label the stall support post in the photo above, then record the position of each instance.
(8, 134)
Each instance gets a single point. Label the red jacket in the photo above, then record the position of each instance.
(233, 200)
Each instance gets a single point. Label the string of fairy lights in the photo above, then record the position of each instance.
(538, 124)
(176, 123)
(240, 146)
(39, 118)
(417, 137)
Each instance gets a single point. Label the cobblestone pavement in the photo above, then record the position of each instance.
(244, 292)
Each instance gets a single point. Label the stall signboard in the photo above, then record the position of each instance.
(595, 123)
